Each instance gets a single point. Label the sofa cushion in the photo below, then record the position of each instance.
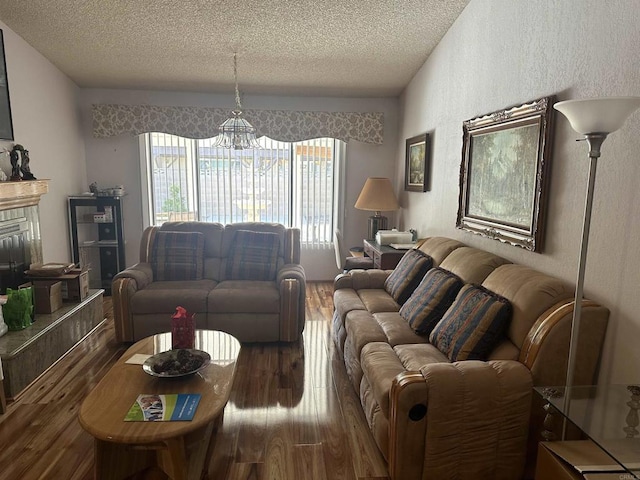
(380, 365)
(471, 264)
(244, 296)
(178, 256)
(361, 330)
(414, 357)
(397, 330)
(345, 300)
(428, 302)
(378, 300)
(530, 292)
(253, 256)
(162, 298)
(439, 248)
(473, 325)
(407, 275)
(212, 234)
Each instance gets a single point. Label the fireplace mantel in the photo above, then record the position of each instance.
(22, 194)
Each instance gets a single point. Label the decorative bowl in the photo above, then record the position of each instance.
(176, 363)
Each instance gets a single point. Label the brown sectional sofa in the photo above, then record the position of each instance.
(251, 310)
(437, 419)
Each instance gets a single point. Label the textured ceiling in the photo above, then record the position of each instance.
(293, 47)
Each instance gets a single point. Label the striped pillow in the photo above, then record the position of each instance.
(178, 256)
(253, 256)
(407, 275)
(473, 325)
(427, 304)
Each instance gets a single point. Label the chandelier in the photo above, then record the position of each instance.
(235, 131)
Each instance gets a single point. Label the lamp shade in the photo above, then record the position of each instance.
(598, 115)
(236, 133)
(377, 196)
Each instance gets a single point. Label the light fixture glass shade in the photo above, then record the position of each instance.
(598, 115)
(236, 133)
(377, 196)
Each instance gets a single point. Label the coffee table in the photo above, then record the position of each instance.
(180, 449)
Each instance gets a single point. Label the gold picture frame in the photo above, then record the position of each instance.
(506, 160)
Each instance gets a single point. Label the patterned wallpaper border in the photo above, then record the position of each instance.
(198, 122)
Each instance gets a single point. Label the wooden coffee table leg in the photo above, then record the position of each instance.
(173, 459)
(182, 458)
(201, 452)
(217, 425)
(186, 457)
(115, 461)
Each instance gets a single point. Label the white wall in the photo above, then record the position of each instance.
(505, 52)
(46, 121)
(115, 161)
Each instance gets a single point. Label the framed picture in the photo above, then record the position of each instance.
(506, 158)
(416, 173)
(6, 126)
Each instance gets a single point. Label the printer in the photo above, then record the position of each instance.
(386, 237)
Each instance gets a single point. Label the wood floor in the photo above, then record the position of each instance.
(292, 415)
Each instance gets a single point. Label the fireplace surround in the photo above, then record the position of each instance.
(15, 255)
(27, 353)
(19, 211)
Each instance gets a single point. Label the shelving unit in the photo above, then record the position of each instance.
(97, 237)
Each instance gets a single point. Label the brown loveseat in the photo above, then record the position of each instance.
(244, 278)
(437, 419)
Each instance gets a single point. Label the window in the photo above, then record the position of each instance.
(289, 183)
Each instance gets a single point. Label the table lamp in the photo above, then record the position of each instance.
(377, 196)
(595, 119)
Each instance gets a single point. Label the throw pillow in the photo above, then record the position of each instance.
(472, 327)
(253, 256)
(407, 275)
(428, 302)
(178, 256)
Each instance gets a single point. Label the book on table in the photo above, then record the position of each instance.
(153, 407)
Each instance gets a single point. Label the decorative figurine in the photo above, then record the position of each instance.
(24, 166)
(22, 171)
(15, 169)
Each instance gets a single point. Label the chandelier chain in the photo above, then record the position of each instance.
(235, 78)
(235, 131)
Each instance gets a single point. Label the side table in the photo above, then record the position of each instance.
(607, 415)
(384, 257)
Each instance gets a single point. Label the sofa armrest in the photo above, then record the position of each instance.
(361, 279)
(546, 347)
(124, 285)
(141, 273)
(292, 285)
(291, 270)
(460, 420)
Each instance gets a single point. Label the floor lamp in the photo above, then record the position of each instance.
(595, 119)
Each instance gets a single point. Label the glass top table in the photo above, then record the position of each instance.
(607, 414)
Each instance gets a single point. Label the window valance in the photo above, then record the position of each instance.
(200, 122)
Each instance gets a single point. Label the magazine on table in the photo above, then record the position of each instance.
(152, 407)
